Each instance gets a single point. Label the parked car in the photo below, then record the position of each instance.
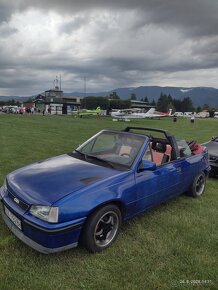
(188, 114)
(178, 114)
(83, 196)
(212, 147)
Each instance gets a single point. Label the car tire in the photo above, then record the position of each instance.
(198, 185)
(101, 228)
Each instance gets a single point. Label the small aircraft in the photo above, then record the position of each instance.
(83, 113)
(127, 114)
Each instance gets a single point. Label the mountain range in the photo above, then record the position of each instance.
(198, 95)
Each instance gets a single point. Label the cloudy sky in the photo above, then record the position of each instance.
(116, 43)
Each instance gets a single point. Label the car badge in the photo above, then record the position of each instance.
(16, 200)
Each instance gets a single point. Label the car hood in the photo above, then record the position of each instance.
(47, 181)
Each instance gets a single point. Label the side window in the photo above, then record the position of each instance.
(148, 154)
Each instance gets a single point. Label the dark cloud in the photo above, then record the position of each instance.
(196, 16)
(112, 43)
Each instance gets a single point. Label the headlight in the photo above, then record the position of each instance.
(3, 189)
(46, 213)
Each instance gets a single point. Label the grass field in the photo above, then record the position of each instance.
(174, 246)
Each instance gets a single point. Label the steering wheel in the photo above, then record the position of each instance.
(126, 154)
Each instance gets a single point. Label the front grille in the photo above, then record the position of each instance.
(17, 201)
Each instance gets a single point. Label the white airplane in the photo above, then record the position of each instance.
(127, 114)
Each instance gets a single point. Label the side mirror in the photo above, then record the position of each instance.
(147, 165)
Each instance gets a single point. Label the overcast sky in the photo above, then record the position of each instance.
(116, 43)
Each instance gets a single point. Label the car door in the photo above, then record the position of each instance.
(154, 187)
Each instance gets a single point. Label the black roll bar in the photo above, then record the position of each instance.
(165, 132)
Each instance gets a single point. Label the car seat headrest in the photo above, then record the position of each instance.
(159, 147)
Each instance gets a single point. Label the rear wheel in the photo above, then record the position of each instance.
(101, 228)
(198, 185)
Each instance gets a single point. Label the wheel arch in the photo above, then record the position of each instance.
(118, 203)
(206, 172)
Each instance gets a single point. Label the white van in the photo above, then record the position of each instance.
(178, 114)
(188, 114)
(216, 115)
(203, 114)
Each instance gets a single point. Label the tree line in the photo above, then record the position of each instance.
(11, 102)
(166, 102)
(113, 101)
(163, 104)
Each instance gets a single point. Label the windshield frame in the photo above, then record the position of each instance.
(139, 139)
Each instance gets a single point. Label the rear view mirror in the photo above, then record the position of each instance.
(147, 165)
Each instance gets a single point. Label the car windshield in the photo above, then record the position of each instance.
(116, 149)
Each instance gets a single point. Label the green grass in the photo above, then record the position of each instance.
(157, 250)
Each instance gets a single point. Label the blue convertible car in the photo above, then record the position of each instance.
(83, 196)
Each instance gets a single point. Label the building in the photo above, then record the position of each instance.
(140, 105)
(54, 102)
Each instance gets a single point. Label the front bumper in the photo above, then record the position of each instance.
(45, 240)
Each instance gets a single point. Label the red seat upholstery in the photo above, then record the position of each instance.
(157, 157)
(168, 151)
(197, 149)
(162, 157)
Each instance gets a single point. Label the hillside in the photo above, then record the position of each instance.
(198, 95)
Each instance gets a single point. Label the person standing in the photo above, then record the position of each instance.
(192, 117)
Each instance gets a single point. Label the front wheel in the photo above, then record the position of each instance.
(198, 185)
(101, 228)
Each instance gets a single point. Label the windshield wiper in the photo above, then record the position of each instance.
(99, 159)
(83, 155)
(86, 156)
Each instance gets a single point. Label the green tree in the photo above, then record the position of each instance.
(163, 103)
(133, 97)
(114, 96)
(29, 100)
(120, 104)
(92, 103)
(171, 106)
(199, 109)
(177, 105)
(187, 105)
(153, 103)
(146, 99)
